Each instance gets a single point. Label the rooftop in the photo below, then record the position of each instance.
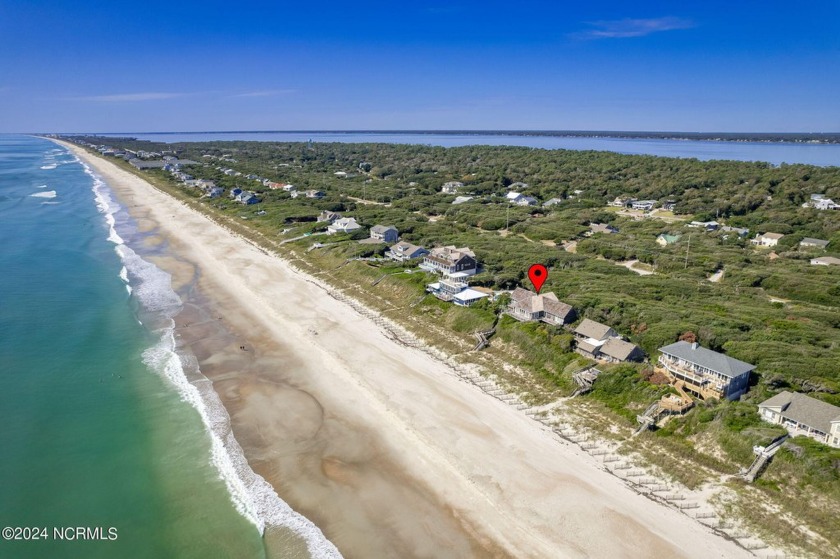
(804, 409)
(704, 357)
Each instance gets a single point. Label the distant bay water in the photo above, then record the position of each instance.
(775, 153)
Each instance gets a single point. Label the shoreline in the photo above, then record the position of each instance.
(537, 497)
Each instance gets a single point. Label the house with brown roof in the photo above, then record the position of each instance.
(527, 306)
(802, 415)
(599, 341)
(616, 350)
(450, 260)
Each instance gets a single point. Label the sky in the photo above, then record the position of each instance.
(144, 66)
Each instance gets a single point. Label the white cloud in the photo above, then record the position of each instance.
(623, 28)
(121, 97)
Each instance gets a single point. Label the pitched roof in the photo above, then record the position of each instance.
(618, 349)
(382, 228)
(772, 236)
(451, 254)
(804, 409)
(816, 242)
(533, 303)
(557, 308)
(704, 357)
(591, 329)
(826, 260)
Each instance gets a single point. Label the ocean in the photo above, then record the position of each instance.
(101, 428)
(776, 153)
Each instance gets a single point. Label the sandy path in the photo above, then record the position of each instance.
(395, 455)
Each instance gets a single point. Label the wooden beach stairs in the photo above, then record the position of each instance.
(762, 459)
(670, 404)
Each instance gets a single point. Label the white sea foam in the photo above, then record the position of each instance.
(47, 194)
(50, 166)
(41, 186)
(251, 494)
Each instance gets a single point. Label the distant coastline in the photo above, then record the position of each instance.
(762, 137)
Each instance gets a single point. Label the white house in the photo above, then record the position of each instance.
(343, 225)
(825, 261)
(452, 187)
(767, 239)
(803, 415)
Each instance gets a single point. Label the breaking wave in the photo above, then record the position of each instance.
(253, 497)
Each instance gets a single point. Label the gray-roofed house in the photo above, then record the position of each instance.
(403, 251)
(328, 217)
(384, 233)
(808, 242)
(616, 350)
(707, 373)
(802, 415)
(602, 228)
(526, 306)
(825, 261)
(343, 225)
(590, 336)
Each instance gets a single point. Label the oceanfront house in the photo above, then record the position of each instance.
(235, 192)
(590, 335)
(384, 233)
(518, 185)
(461, 200)
(403, 251)
(808, 242)
(450, 260)
(343, 225)
(705, 225)
(706, 373)
(328, 217)
(552, 202)
(644, 205)
(803, 415)
(214, 192)
(276, 185)
(598, 341)
(767, 239)
(247, 198)
(825, 261)
(604, 228)
(666, 239)
(669, 205)
(142, 165)
(527, 306)
(616, 350)
(452, 187)
(457, 291)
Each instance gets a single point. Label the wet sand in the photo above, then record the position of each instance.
(381, 446)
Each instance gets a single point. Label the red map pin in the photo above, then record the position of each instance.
(538, 274)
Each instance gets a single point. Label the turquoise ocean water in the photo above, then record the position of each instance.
(95, 430)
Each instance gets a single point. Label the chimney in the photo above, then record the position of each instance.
(694, 345)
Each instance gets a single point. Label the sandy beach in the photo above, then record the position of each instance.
(386, 450)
